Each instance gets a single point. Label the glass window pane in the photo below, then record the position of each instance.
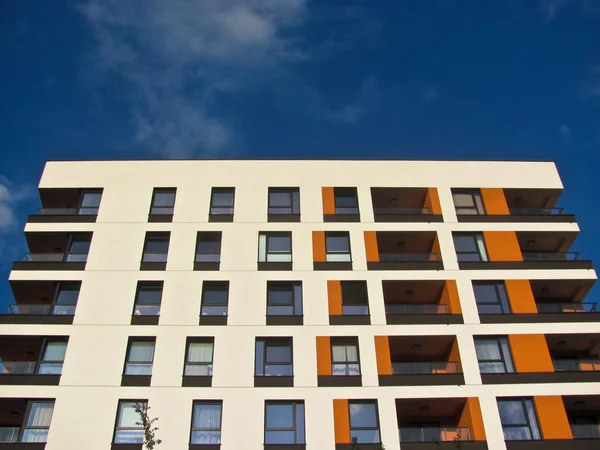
(491, 367)
(279, 297)
(214, 297)
(259, 358)
(40, 414)
(346, 201)
(35, 435)
(280, 310)
(463, 199)
(533, 424)
(485, 293)
(149, 296)
(222, 199)
(206, 437)
(337, 244)
(163, 199)
(67, 296)
(279, 244)
(511, 412)
(517, 434)
(157, 246)
(300, 423)
(200, 352)
(279, 370)
(91, 199)
(280, 416)
(279, 437)
(298, 298)
(464, 243)
(366, 436)
(127, 415)
(363, 415)
(141, 352)
(207, 416)
(80, 246)
(278, 354)
(280, 199)
(55, 351)
(208, 247)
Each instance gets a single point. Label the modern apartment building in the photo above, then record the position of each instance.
(298, 304)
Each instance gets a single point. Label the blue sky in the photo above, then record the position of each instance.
(433, 79)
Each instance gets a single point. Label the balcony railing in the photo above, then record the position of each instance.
(35, 309)
(434, 434)
(17, 367)
(423, 368)
(567, 307)
(9, 434)
(401, 211)
(408, 257)
(55, 257)
(576, 365)
(550, 256)
(536, 211)
(586, 431)
(68, 211)
(432, 308)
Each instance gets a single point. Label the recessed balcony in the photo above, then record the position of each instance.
(69, 205)
(406, 204)
(564, 301)
(55, 251)
(576, 357)
(535, 205)
(403, 250)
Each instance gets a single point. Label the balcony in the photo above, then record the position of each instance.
(31, 360)
(406, 205)
(55, 251)
(535, 205)
(67, 206)
(42, 302)
(402, 250)
(564, 301)
(421, 302)
(550, 250)
(440, 423)
(575, 357)
(420, 360)
(24, 423)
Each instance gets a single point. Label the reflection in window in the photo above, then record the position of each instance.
(275, 247)
(491, 298)
(470, 247)
(206, 423)
(127, 430)
(494, 355)
(284, 422)
(364, 422)
(284, 298)
(274, 357)
(284, 201)
(337, 247)
(519, 421)
(214, 298)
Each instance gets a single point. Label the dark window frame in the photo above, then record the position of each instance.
(273, 341)
(334, 234)
(134, 340)
(378, 427)
(502, 300)
(280, 286)
(222, 210)
(345, 303)
(345, 341)
(504, 358)
(215, 286)
(281, 210)
(24, 426)
(474, 236)
(75, 238)
(209, 365)
(208, 236)
(157, 210)
(118, 416)
(81, 209)
(147, 286)
(156, 236)
(345, 192)
(220, 429)
(524, 408)
(274, 234)
(40, 359)
(64, 286)
(474, 194)
(294, 429)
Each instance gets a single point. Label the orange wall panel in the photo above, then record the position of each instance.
(502, 246)
(435, 248)
(450, 297)
(384, 359)
(432, 201)
(323, 355)
(520, 297)
(318, 246)
(341, 420)
(334, 297)
(371, 247)
(494, 201)
(471, 417)
(455, 355)
(328, 200)
(552, 417)
(530, 353)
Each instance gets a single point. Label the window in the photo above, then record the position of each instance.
(53, 357)
(491, 298)
(346, 200)
(284, 298)
(468, 201)
(163, 201)
(284, 422)
(275, 247)
(89, 203)
(284, 201)
(364, 422)
(66, 299)
(199, 357)
(470, 247)
(273, 357)
(493, 354)
(206, 423)
(37, 422)
(208, 246)
(337, 246)
(140, 355)
(354, 298)
(148, 298)
(214, 298)
(127, 431)
(221, 200)
(79, 248)
(344, 357)
(156, 247)
(519, 421)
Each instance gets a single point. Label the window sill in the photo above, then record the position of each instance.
(275, 266)
(153, 266)
(350, 320)
(29, 380)
(441, 379)
(196, 381)
(213, 320)
(283, 218)
(285, 320)
(332, 265)
(361, 446)
(27, 319)
(339, 380)
(554, 444)
(427, 218)
(406, 265)
(284, 446)
(204, 446)
(160, 218)
(207, 265)
(144, 320)
(37, 265)
(22, 445)
(341, 217)
(524, 265)
(135, 380)
(423, 319)
(126, 446)
(517, 218)
(220, 217)
(273, 381)
(540, 377)
(66, 218)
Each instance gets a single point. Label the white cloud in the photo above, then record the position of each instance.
(7, 215)
(170, 59)
(365, 100)
(564, 132)
(549, 8)
(431, 95)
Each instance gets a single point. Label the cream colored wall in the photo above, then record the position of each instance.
(96, 351)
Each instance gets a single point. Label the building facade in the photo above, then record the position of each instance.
(299, 304)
